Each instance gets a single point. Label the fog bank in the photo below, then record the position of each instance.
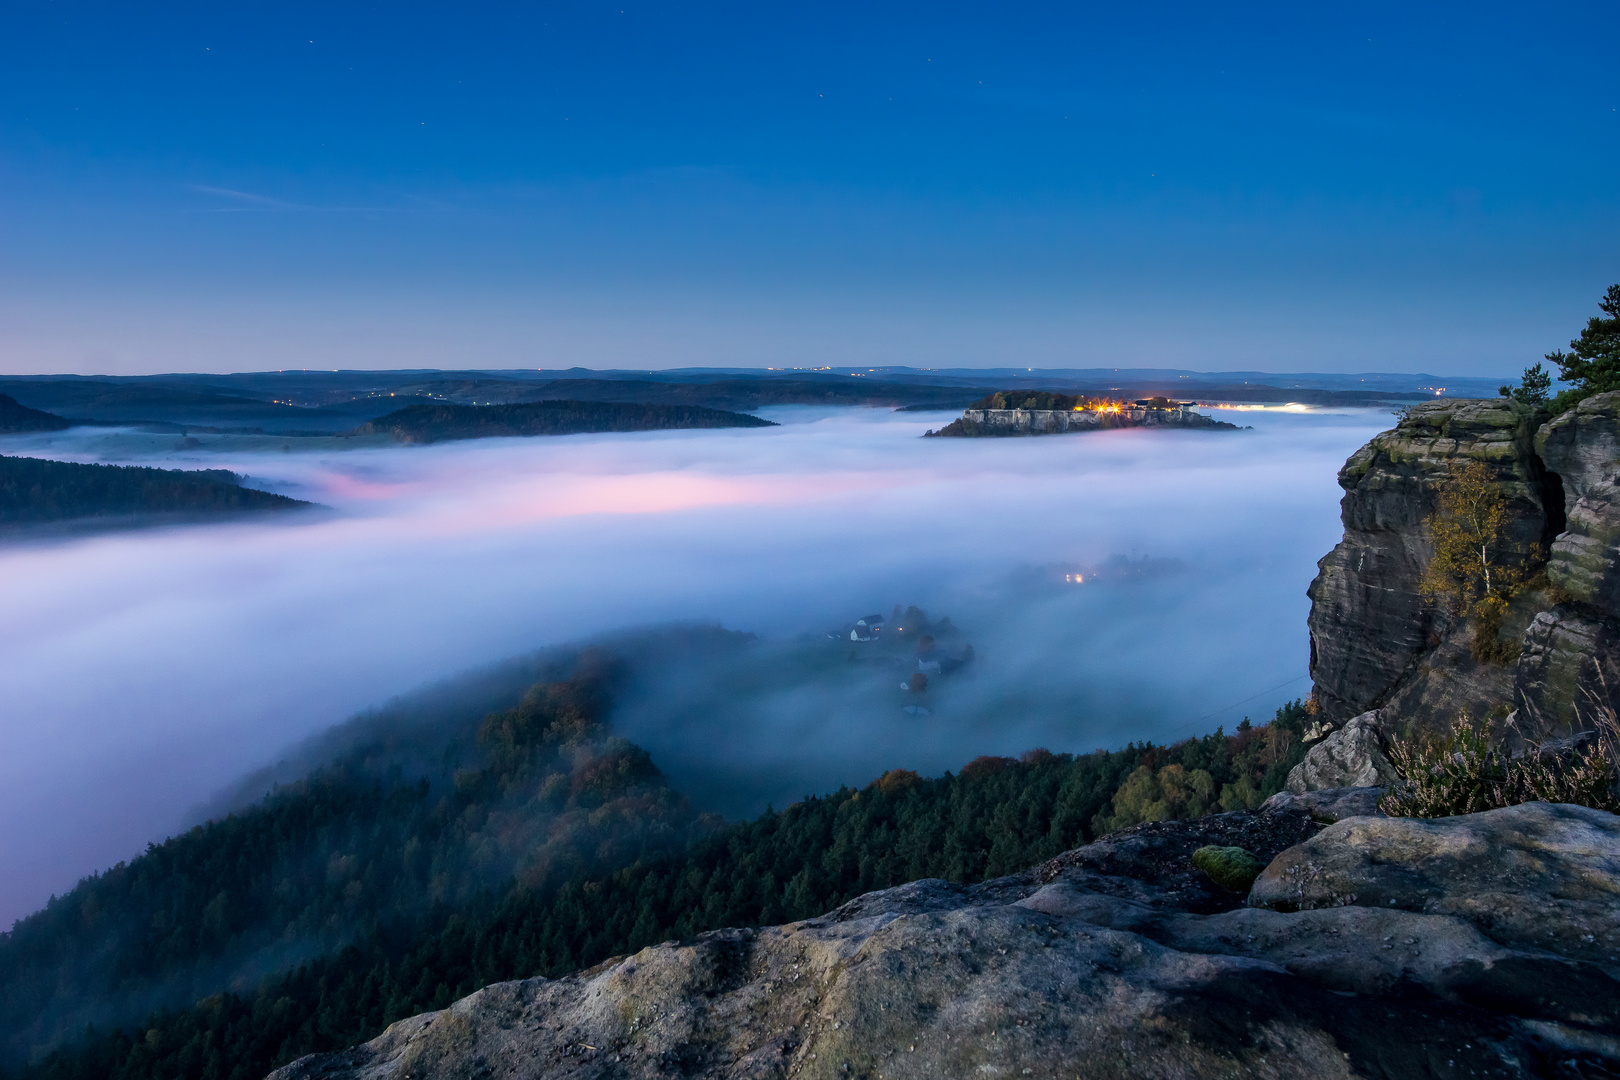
(145, 671)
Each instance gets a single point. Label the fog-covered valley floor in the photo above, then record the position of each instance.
(145, 671)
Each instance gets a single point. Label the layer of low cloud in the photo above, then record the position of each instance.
(147, 670)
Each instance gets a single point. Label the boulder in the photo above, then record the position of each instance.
(1540, 876)
(1351, 757)
(1113, 960)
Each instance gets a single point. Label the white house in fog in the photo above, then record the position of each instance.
(867, 628)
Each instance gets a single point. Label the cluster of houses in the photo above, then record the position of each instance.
(929, 659)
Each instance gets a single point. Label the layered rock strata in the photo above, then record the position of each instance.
(1568, 676)
(1375, 639)
(1114, 960)
(1032, 421)
(1378, 643)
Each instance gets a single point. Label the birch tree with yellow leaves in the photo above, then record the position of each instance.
(1470, 571)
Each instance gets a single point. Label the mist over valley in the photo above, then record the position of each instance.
(148, 671)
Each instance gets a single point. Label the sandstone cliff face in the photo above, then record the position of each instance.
(1372, 632)
(1114, 960)
(1376, 643)
(1570, 667)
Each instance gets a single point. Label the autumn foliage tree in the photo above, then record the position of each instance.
(1472, 571)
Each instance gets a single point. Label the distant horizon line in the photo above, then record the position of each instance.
(853, 369)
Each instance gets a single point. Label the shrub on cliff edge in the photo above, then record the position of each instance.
(1469, 771)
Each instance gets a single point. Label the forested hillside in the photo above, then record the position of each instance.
(15, 417)
(35, 491)
(735, 394)
(440, 422)
(381, 896)
(541, 794)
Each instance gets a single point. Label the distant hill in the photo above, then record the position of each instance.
(175, 403)
(16, 417)
(439, 422)
(735, 394)
(35, 491)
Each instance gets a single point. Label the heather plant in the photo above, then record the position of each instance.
(1469, 770)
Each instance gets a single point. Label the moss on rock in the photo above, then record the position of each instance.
(1230, 867)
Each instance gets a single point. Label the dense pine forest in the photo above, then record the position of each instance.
(537, 843)
(439, 422)
(35, 491)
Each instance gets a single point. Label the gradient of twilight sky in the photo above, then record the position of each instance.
(222, 187)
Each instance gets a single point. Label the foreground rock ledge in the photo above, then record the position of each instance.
(1113, 960)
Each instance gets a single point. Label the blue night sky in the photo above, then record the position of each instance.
(1282, 187)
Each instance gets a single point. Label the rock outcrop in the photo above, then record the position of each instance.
(977, 421)
(1376, 643)
(1375, 639)
(1114, 960)
(1582, 447)
(1351, 757)
(1569, 671)
(1536, 876)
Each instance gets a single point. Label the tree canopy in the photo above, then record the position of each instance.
(1534, 387)
(1471, 570)
(1592, 364)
